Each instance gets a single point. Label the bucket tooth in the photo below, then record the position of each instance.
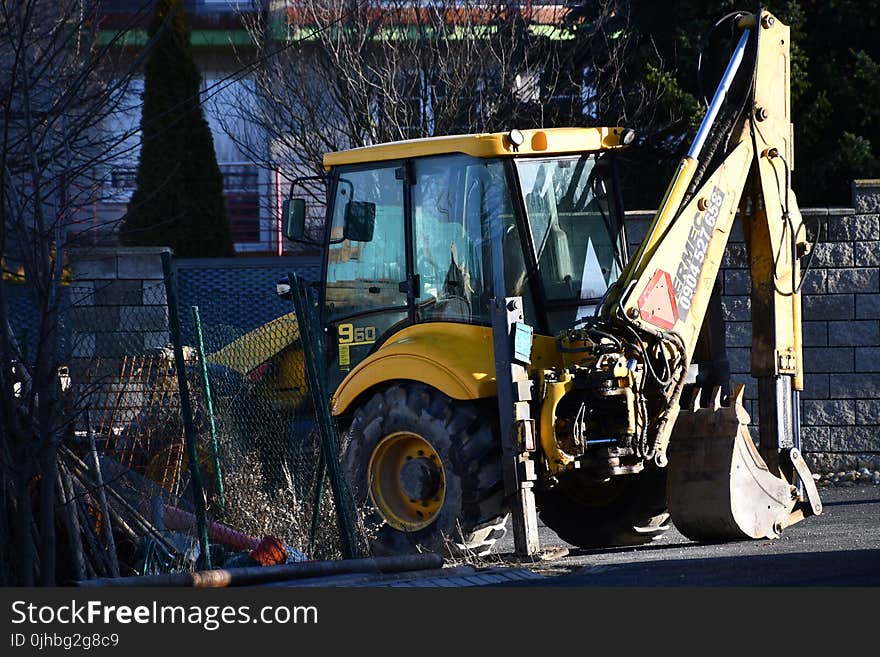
(716, 398)
(718, 486)
(737, 394)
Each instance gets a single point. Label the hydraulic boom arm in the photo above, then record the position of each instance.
(659, 305)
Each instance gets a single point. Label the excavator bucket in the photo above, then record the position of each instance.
(718, 486)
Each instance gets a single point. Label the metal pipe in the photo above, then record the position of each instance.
(313, 354)
(677, 189)
(720, 94)
(175, 519)
(601, 441)
(362, 579)
(796, 432)
(232, 539)
(223, 577)
(278, 213)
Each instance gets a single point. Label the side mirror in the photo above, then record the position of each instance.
(360, 220)
(293, 214)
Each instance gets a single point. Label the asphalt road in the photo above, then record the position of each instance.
(841, 547)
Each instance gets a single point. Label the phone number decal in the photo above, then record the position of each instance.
(687, 276)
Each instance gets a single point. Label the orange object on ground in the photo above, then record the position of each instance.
(270, 552)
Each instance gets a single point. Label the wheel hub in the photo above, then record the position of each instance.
(419, 478)
(407, 481)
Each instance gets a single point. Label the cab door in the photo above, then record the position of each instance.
(455, 198)
(367, 263)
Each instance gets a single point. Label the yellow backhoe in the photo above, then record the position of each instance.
(592, 388)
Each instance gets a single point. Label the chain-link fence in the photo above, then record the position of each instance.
(131, 500)
(272, 468)
(126, 495)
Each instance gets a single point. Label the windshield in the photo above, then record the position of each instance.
(569, 207)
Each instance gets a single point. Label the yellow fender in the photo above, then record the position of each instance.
(456, 359)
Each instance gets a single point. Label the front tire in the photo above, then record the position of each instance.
(427, 471)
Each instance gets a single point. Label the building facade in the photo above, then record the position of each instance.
(257, 163)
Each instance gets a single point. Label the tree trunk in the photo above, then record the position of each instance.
(6, 569)
(48, 465)
(24, 546)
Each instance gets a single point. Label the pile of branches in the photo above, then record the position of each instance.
(105, 534)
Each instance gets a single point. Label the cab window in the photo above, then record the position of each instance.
(364, 274)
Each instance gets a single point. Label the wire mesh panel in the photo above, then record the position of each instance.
(269, 446)
(260, 434)
(24, 317)
(124, 460)
(192, 440)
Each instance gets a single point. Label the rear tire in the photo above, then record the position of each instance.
(471, 515)
(628, 510)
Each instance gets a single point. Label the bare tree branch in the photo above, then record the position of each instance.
(58, 87)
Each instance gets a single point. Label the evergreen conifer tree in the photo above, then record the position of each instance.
(178, 201)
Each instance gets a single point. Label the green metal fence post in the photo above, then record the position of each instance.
(189, 429)
(313, 353)
(209, 407)
(316, 507)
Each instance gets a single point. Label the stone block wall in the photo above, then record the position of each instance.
(117, 298)
(841, 399)
(117, 317)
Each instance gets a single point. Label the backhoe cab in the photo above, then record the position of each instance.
(628, 417)
(410, 231)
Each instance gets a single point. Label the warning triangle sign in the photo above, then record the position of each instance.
(657, 304)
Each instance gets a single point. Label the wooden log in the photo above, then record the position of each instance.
(102, 569)
(106, 526)
(71, 523)
(134, 515)
(122, 526)
(72, 494)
